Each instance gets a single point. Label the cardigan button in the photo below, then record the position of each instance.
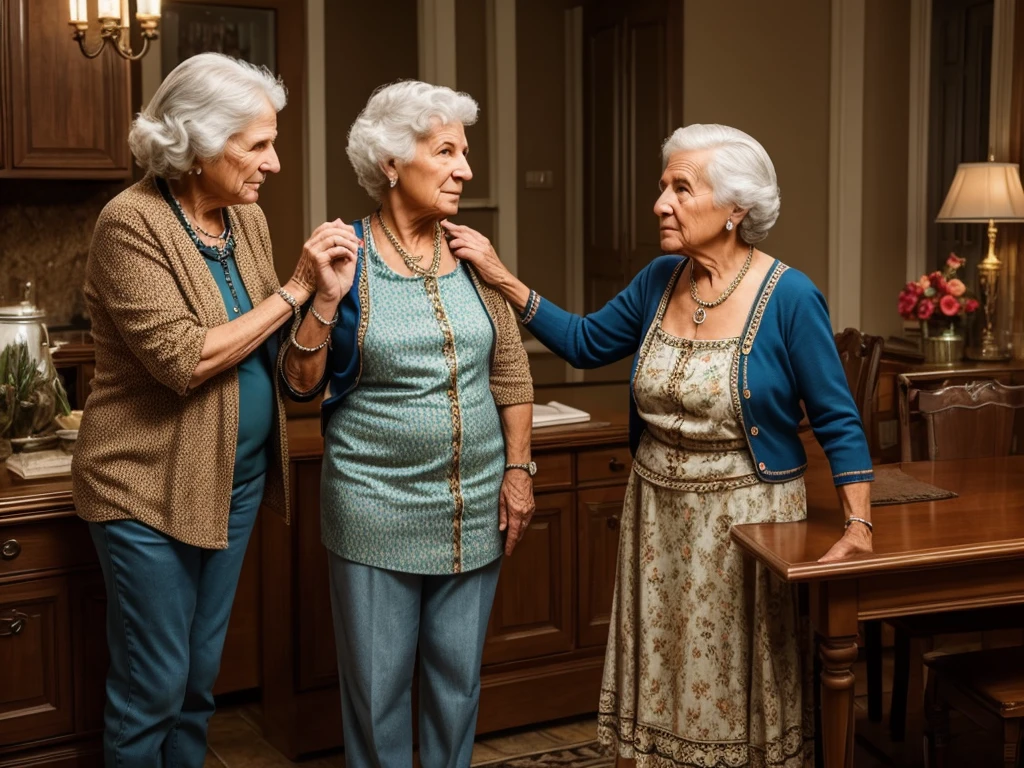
(762, 467)
(746, 394)
(754, 431)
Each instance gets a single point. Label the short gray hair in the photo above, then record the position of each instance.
(394, 119)
(739, 172)
(206, 100)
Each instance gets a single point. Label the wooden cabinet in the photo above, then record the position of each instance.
(63, 115)
(35, 656)
(598, 519)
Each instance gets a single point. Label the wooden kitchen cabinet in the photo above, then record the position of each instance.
(63, 116)
(599, 511)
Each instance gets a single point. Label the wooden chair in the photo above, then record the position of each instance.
(961, 421)
(987, 687)
(861, 355)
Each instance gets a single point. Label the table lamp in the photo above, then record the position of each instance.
(980, 193)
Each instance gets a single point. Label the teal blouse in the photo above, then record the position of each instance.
(414, 457)
(255, 373)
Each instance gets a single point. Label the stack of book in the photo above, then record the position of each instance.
(555, 413)
(40, 464)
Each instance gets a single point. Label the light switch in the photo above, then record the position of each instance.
(540, 179)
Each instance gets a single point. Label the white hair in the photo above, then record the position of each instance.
(739, 172)
(206, 100)
(394, 119)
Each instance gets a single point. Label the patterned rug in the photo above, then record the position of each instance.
(589, 755)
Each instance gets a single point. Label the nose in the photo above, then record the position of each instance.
(463, 172)
(662, 206)
(272, 164)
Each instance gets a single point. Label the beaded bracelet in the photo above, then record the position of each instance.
(531, 308)
(851, 520)
(328, 323)
(295, 342)
(289, 299)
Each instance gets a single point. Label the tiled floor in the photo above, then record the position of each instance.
(236, 741)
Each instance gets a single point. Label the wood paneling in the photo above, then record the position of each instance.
(69, 115)
(35, 655)
(532, 612)
(598, 522)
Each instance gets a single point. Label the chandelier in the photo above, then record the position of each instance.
(114, 21)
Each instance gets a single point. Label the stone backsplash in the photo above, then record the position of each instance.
(45, 230)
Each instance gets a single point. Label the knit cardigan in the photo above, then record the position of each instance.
(150, 448)
(787, 355)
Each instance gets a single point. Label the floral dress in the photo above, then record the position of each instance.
(705, 663)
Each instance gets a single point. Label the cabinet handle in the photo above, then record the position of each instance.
(10, 549)
(615, 465)
(613, 522)
(13, 624)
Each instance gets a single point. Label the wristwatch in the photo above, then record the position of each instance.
(530, 467)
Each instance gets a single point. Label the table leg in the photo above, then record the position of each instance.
(837, 657)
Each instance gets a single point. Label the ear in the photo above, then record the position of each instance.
(738, 214)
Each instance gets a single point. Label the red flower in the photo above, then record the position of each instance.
(950, 306)
(925, 309)
(906, 303)
(954, 261)
(913, 288)
(938, 282)
(971, 305)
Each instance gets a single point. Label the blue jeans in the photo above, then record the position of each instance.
(380, 618)
(168, 605)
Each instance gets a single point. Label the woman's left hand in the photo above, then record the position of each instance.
(515, 506)
(856, 541)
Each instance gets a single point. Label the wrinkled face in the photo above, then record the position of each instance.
(249, 156)
(686, 208)
(431, 183)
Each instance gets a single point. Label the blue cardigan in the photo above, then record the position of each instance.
(787, 354)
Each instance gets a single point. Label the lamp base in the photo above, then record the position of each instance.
(988, 355)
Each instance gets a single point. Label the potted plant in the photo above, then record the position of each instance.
(940, 302)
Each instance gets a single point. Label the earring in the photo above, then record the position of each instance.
(199, 171)
(728, 226)
(392, 181)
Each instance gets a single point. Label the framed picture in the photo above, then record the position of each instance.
(190, 28)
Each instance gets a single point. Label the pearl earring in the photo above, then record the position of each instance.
(392, 181)
(199, 171)
(728, 226)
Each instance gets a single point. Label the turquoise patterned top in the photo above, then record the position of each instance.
(415, 455)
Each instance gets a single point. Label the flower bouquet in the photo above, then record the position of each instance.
(940, 301)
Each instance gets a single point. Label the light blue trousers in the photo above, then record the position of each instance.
(380, 619)
(168, 605)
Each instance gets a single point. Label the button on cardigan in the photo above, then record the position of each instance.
(787, 355)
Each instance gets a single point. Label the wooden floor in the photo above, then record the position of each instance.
(236, 741)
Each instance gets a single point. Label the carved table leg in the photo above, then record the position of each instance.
(837, 657)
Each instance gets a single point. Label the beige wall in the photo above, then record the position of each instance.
(764, 68)
(886, 126)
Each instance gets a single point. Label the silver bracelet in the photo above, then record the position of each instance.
(295, 342)
(331, 323)
(851, 520)
(289, 299)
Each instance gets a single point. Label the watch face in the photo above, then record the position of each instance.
(532, 468)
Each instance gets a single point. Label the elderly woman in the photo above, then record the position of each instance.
(703, 664)
(184, 435)
(426, 438)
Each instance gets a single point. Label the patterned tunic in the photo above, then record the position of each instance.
(415, 456)
(704, 664)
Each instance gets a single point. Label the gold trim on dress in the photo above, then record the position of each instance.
(707, 486)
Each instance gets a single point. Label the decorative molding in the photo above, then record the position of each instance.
(846, 149)
(574, 170)
(917, 143)
(315, 193)
(436, 24)
(1001, 93)
(504, 99)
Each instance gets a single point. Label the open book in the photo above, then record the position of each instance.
(40, 464)
(555, 413)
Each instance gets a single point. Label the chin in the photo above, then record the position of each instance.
(671, 244)
(451, 209)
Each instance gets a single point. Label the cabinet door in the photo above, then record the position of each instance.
(69, 114)
(532, 613)
(599, 512)
(91, 654)
(35, 656)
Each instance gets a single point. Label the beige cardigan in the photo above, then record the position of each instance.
(149, 448)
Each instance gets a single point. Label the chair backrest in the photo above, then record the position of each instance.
(974, 420)
(861, 355)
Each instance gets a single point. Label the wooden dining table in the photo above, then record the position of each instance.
(929, 557)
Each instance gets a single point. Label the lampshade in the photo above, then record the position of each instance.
(983, 192)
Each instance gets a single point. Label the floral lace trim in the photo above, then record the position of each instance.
(683, 343)
(656, 748)
(689, 486)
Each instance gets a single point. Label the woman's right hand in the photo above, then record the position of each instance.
(467, 244)
(318, 270)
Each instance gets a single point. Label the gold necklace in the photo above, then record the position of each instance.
(411, 261)
(700, 313)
